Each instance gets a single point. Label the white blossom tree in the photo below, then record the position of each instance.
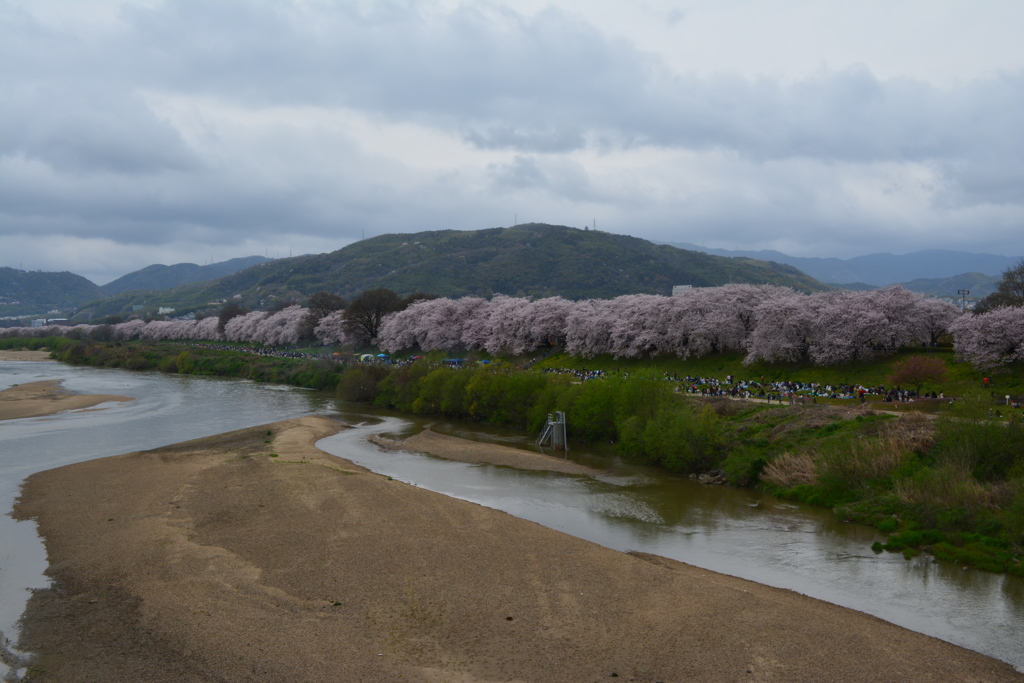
(988, 340)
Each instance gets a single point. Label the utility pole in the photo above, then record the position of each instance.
(963, 298)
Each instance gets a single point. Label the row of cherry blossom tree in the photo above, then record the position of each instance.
(768, 323)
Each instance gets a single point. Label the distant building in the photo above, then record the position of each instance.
(38, 322)
(678, 290)
(164, 310)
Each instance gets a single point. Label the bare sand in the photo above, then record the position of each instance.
(24, 355)
(464, 450)
(36, 399)
(212, 561)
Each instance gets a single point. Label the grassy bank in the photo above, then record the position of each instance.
(962, 378)
(169, 357)
(949, 480)
(951, 483)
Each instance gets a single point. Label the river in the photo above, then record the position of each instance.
(737, 532)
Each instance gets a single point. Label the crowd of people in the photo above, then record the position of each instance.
(581, 375)
(777, 391)
(255, 350)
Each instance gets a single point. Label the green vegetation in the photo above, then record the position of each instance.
(196, 360)
(30, 344)
(36, 293)
(961, 378)
(950, 483)
(953, 486)
(526, 260)
(159, 276)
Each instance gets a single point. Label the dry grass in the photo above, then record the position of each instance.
(791, 469)
(871, 456)
(806, 417)
(864, 460)
(951, 486)
(915, 431)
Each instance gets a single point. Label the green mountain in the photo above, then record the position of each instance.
(159, 276)
(979, 284)
(38, 293)
(526, 260)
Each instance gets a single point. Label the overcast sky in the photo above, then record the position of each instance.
(148, 132)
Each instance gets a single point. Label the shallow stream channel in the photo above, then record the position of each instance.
(629, 507)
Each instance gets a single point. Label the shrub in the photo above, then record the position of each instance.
(938, 491)
(184, 362)
(887, 525)
(136, 363)
(683, 440)
(743, 466)
(972, 437)
(359, 384)
(591, 406)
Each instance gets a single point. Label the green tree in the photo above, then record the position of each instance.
(1010, 291)
(185, 363)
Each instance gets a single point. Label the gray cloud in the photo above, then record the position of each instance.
(539, 84)
(85, 152)
(522, 172)
(506, 137)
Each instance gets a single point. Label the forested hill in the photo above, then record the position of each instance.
(37, 293)
(159, 276)
(526, 260)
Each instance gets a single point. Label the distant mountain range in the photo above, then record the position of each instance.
(160, 276)
(30, 293)
(879, 270)
(38, 293)
(525, 260)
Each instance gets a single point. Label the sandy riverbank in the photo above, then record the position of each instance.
(211, 561)
(24, 355)
(36, 399)
(464, 450)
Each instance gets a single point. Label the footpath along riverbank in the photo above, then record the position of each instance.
(213, 560)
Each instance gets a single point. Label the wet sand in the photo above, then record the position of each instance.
(212, 561)
(36, 399)
(464, 450)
